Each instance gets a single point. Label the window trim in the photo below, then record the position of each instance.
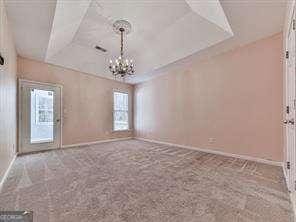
(128, 111)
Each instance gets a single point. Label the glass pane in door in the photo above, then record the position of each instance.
(42, 116)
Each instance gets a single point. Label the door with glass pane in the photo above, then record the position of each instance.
(39, 116)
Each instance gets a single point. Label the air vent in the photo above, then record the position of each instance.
(100, 48)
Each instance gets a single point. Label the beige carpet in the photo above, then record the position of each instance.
(139, 181)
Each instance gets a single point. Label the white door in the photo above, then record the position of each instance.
(39, 116)
(290, 109)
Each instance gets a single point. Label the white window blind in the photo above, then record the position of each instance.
(120, 111)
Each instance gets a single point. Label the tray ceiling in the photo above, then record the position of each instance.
(64, 33)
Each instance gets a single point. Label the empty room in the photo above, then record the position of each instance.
(147, 110)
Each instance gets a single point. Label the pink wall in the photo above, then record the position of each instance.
(7, 94)
(87, 101)
(235, 98)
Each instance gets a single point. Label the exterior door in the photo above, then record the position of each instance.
(39, 116)
(290, 108)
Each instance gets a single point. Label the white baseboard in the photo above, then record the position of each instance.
(7, 172)
(96, 142)
(255, 159)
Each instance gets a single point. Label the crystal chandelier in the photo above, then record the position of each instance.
(122, 67)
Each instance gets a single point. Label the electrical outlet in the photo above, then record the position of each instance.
(211, 140)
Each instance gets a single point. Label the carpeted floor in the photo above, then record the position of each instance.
(139, 181)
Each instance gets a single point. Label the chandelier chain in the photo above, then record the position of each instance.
(121, 49)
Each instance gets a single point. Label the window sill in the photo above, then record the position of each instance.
(42, 141)
(120, 131)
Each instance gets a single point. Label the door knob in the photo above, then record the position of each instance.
(285, 121)
(291, 121)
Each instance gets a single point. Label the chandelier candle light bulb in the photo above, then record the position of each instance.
(123, 67)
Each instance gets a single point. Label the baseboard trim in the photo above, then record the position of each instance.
(96, 142)
(255, 159)
(7, 172)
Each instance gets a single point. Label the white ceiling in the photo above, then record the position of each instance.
(164, 32)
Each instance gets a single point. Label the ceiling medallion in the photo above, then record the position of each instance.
(122, 67)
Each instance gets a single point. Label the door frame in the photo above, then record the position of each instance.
(22, 81)
(289, 173)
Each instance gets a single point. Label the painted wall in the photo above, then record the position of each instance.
(231, 102)
(7, 94)
(87, 101)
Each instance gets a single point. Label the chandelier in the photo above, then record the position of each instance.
(122, 67)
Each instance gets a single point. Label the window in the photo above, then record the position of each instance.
(42, 115)
(120, 111)
(44, 107)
